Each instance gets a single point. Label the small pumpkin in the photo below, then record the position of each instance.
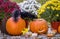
(52, 33)
(15, 28)
(39, 26)
(59, 29)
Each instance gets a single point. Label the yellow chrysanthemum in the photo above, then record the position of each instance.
(52, 4)
(48, 7)
(57, 8)
(53, 8)
(54, 0)
(41, 11)
(24, 31)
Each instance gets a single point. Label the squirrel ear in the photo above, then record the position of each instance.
(15, 15)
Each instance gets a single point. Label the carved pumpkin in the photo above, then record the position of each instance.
(15, 28)
(39, 26)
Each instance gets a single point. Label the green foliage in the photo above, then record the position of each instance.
(18, 1)
(51, 15)
(41, 1)
(2, 15)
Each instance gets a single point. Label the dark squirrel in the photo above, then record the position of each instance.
(23, 15)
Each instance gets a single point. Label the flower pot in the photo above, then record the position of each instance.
(55, 25)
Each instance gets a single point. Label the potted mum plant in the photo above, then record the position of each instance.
(50, 11)
(6, 8)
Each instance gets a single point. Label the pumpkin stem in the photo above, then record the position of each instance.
(16, 14)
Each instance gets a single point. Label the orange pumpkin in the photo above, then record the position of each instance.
(52, 33)
(15, 28)
(39, 26)
(59, 29)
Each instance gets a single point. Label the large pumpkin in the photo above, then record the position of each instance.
(15, 28)
(39, 26)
